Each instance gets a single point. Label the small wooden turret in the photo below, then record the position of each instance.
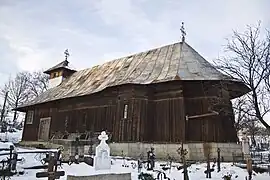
(59, 72)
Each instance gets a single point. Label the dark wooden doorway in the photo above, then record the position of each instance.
(44, 129)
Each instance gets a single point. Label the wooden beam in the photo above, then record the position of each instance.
(213, 113)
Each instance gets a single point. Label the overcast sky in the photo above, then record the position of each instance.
(35, 33)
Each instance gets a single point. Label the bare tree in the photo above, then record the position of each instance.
(24, 87)
(17, 91)
(37, 83)
(241, 109)
(267, 77)
(248, 61)
(253, 129)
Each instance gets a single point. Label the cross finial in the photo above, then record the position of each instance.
(182, 29)
(103, 136)
(66, 54)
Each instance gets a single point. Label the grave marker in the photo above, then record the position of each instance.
(218, 160)
(170, 159)
(183, 152)
(151, 159)
(91, 143)
(52, 172)
(124, 164)
(102, 158)
(208, 170)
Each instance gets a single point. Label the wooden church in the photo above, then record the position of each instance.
(170, 94)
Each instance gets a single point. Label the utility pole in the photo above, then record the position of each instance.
(4, 107)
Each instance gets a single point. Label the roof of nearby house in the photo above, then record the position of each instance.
(177, 61)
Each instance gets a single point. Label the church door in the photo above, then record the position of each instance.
(44, 129)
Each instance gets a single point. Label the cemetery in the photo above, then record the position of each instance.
(24, 163)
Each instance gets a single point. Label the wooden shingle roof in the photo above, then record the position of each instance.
(177, 61)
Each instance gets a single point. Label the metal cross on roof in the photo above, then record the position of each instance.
(182, 29)
(66, 54)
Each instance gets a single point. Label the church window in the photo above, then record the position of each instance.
(125, 111)
(30, 117)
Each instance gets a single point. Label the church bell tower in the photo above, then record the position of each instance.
(59, 72)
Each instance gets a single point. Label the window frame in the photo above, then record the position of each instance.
(30, 117)
(125, 112)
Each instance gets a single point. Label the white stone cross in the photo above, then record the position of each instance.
(103, 137)
(102, 158)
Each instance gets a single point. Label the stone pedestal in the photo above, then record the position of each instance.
(102, 160)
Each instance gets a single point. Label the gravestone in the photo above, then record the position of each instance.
(245, 146)
(102, 160)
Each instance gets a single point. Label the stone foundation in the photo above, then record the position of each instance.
(196, 151)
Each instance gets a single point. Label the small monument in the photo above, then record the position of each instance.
(245, 146)
(102, 160)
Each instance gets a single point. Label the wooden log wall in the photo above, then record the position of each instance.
(155, 113)
(217, 128)
(167, 118)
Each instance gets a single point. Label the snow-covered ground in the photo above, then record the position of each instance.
(14, 137)
(196, 171)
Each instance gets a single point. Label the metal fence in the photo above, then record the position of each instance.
(260, 157)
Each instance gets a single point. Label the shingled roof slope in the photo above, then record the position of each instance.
(176, 61)
(63, 64)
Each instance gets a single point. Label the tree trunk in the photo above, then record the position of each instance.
(253, 140)
(15, 116)
(257, 109)
(15, 112)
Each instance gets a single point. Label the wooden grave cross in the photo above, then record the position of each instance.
(183, 152)
(52, 172)
(218, 160)
(208, 170)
